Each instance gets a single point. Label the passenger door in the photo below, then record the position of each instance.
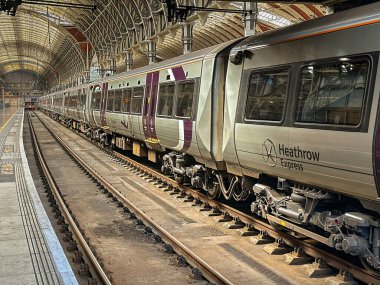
(103, 104)
(135, 116)
(149, 108)
(260, 131)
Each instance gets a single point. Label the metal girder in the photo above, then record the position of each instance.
(119, 27)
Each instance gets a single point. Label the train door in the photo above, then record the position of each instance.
(149, 106)
(136, 111)
(83, 104)
(94, 104)
(103, 104)
(64, 102)
(260, 134)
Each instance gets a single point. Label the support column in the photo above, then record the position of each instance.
(152, 51)
(110, 67)
(3, 91)
(250, 20)
(128, 60)
(187, 37)
(87, 76)
(113, 64)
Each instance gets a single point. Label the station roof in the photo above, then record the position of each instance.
(58, 43)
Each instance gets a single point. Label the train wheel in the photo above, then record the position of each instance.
(214, 192)
(370, 267)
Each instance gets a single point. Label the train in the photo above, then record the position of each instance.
(287, 121)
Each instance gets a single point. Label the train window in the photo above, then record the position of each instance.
(71, 97)
(333, 93)
(146, 102)
(83, 99)
(165, 99)
(138, 93)
(95, 100)
(118, 100)
(79, 99)
(266, 96)
(110, 100)
(127, 100)
(184, 98)
(74, 99)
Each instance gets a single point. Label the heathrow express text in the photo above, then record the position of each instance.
(296, 152)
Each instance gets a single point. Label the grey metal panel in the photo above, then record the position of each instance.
(168, 132)
(280, 54)
(96, 118)
(357, 16)
(343, 43)
(136, 125)
(250, 139)
(111, 119)
(205, 110)
(233, 81)
(210, 110)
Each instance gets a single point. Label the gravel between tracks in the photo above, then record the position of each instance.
(129, 256)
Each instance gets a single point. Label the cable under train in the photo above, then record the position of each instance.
(287, 118)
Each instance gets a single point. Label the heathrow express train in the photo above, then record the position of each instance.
(288, 119)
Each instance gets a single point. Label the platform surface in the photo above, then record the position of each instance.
(30, 252)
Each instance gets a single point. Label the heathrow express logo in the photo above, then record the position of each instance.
(269, 153)
(290, 157)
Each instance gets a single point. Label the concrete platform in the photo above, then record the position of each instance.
(30, 252)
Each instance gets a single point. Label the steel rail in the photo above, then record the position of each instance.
(89, 254)
(194, 260)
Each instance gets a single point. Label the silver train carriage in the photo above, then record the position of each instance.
(303, 126)
(288, 119)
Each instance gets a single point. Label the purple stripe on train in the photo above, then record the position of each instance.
(149, 121)
(153, 99)
(188, 134)
(148, 81)
(179, 73)
(104, 99)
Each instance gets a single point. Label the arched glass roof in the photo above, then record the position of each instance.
(58, 43)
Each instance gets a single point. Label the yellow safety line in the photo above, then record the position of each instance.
(6, 123)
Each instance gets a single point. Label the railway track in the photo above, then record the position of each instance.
(96, 270)
(160, 233)
(227, 213)
(247, 221)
